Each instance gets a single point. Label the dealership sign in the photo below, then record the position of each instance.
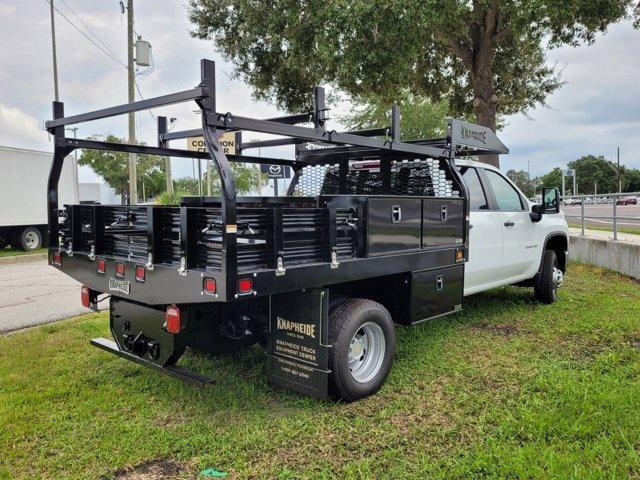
(275, 171)
(227, 142)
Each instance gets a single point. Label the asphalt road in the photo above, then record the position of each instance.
(34, 294)
(604, 210)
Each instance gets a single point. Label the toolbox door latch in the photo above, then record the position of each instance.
(439, 283)
(396, 214)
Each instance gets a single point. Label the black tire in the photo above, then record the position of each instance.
(30, 239)
(335, 300)
(546, 289)
(346, 319)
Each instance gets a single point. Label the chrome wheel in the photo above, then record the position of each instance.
(366, 352)
(557, 277)
(31, 240)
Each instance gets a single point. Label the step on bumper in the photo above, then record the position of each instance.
(173, 370)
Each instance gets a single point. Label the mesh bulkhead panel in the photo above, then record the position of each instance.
(421, 177)
(132, 240)
(417, 177)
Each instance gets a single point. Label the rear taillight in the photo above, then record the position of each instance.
(172, 319)
(140, 272)
(209, 286)
(85, 296)
(119, 269)
(101, 265)
(57, 258)
(245, 286)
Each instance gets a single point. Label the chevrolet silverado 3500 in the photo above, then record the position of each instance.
(373, 231)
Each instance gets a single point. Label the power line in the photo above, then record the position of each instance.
(86, 36)
(135, 82)
(89, 29)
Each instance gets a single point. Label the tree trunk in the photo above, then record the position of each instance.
(484, 107)
(485, 101)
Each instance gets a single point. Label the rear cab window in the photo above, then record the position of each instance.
(477, 196)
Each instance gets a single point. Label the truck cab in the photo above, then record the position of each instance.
(507, 239)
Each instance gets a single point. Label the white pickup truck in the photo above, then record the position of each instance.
(509, 242)
(373, 232)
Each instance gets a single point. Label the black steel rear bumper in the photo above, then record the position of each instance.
(173, 370)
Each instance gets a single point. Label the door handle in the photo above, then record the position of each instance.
(509, 224)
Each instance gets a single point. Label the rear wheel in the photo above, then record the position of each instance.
(30, 239)
(363, 342)
(550, 279)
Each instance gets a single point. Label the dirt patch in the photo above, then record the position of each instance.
(159, 469)
(634, 341)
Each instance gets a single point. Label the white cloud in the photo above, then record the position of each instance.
(18, 129)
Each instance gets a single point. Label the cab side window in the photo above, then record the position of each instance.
(478, 200)
(507, 197)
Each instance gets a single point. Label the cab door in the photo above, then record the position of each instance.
(522, 253)
(484, 267)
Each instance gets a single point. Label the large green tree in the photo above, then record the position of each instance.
(631, 180)
(595, 173)
(421, 118)
(522, 181)
(113, 167)
(485, 57)
(552, 179)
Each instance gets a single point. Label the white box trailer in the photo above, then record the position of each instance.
(23, 195)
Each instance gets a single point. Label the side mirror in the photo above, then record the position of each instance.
(536, 212)
(550, 200)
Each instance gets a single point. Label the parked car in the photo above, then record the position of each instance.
(628, 200)
(572, 201)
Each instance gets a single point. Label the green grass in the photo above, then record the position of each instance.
(604, 228)
(508, 388)
(12, 252)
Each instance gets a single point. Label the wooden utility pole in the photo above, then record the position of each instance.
(133, 174)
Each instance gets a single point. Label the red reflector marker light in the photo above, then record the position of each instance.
(57, 258)
(209, 286)
(245, 285)
(140, 273)
(101, 265)
(119, 269)
(172, 319)
(85, 296)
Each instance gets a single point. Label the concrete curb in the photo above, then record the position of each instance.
(36, 257)
(623, 257)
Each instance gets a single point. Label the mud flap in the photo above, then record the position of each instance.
(297, 350)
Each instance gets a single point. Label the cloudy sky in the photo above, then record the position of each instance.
(596, 111)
